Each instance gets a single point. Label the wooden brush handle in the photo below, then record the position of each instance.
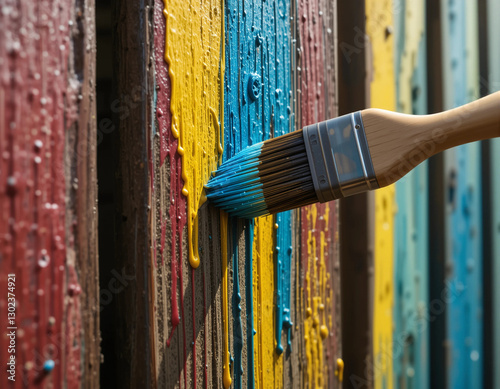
(399, 142)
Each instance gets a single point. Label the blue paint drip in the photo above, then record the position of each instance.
(283, 271)
(249, 229)
(237, 330)
(48, 365)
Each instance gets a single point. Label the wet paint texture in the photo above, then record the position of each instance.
(225, 307)
(251, 345)
(257, 48)
(268, 364)
(317, 292)
(40, 83)
(316, 97)
(168, 150)
(379, 15)
(193, 52)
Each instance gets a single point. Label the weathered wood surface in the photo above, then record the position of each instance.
(48, 193)
(357, 212)
(199, 321)
(133, 306)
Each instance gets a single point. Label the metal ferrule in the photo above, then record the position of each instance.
(339, 157)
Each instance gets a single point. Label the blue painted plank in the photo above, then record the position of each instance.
(493, 10)
(411, 332)
(257, 47)
(462, 292)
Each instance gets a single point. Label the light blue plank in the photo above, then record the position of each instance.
(411, 337)
(494, 85)
(463, 285)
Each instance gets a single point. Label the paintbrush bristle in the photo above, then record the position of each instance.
(265, 178)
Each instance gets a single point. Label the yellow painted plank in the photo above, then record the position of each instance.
(268, 364)
(318, 295)
(379, 25)
(196, 67)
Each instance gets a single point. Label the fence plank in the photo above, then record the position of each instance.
(379, 27)
(463, 266)
(412, 317)
(319, 280)
(48, 193)
(356, 213)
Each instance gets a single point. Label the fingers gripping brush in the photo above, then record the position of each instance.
(344, 156)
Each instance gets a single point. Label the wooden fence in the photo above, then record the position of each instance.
(151, 286)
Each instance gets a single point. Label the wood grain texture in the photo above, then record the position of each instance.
(399, 142)
(356, 212)
(133, 306)
(48, 237)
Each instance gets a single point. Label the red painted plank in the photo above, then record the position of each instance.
(47, 148)
(319, 256)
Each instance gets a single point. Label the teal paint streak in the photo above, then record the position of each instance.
(495, 230)
(258, 43)
(411, 313)
(283, 266)
(494, 85)
(463, 215)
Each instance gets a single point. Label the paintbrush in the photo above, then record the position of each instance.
(340, 157)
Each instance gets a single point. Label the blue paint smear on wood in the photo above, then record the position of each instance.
(283, 265)
(258, 48)
(463, 288)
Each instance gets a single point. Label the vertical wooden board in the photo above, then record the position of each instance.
(493, 9)
(319, 282)
(355, 213)
(437, 200)
(48, 196)
(463, 210)
(185, 146)
(133, 306)
(379, 24)
(258, 52)
(495, 230)
(411, 333)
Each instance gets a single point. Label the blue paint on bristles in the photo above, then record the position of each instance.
(265, 178)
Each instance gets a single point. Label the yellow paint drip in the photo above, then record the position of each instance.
(196, 67)
(339, 372)
(315, 323)
(379, 16)
(225, 306)
(268, 364)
